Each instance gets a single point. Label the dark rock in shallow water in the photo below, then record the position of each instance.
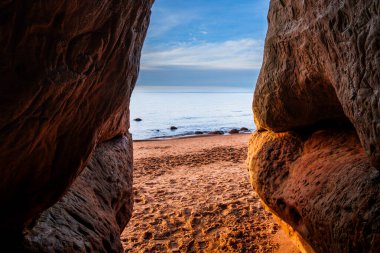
(216, 132)
(137, 119)
(198, 132)
(244, 129)
(173, 128)
(233, 131)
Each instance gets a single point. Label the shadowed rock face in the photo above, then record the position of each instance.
(93, 213)
(67, 71)
(320, 77)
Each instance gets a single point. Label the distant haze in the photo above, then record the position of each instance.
(204, 43)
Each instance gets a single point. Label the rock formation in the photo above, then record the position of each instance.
(315, 158)
(94, 212)
(67, 72)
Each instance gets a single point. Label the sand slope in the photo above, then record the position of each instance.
(193, 195)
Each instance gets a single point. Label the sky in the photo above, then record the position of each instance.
(204, 43)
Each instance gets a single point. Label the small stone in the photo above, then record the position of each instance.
(233, 131)
(216, 132)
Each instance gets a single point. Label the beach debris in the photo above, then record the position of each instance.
(233, 131)
(137, 119)
(173, 128)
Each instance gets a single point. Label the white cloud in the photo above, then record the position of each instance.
(166, 20)
(232, 54)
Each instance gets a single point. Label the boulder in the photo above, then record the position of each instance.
(233, 131)
(216, 132)
(67, 72)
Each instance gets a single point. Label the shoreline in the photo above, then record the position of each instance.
(187, 136)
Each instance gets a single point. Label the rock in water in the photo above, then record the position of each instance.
(216, 132)
(173, 128)
(137, 119)
(233, 131)
(319, 81)
(67, 72)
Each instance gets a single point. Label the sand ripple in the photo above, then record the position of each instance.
(196, 200)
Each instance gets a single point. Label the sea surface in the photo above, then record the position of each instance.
(189, 110)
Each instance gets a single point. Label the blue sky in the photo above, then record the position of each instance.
(204, 43)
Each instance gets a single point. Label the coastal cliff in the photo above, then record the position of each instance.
(314, 160)
(67, 72)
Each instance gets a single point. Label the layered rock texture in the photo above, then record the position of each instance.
(67, 72)
(92, 215)
(315, 158)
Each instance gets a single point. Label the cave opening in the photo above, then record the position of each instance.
(66, 156)
(191, 120)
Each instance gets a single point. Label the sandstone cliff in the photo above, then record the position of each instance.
(314, 160)
(67, 72)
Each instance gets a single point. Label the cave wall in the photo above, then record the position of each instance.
(93, 213)
(67, 71)
(314, 159)
(321, 63)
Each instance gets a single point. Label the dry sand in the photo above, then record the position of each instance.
(193, 195)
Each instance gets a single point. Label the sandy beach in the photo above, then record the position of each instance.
(193, 195)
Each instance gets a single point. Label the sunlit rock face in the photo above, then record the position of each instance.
(315, 158)
(322, 63)
(67, 72)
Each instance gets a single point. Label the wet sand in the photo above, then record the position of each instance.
(193, 195)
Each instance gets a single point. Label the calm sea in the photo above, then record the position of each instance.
(189, 110)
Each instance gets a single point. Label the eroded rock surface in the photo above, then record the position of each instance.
(94, 212)
(67, 71)
(322, 63)
(315, 158)
(321, 185)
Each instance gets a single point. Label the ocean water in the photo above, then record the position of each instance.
(189, 110)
